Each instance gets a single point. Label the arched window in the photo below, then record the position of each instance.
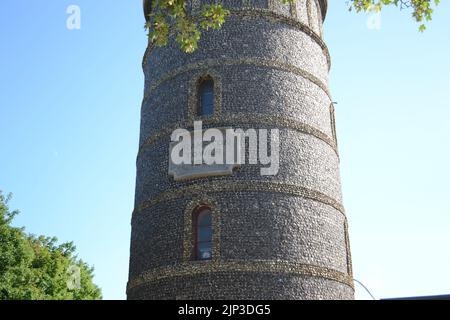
(206, 97)
(202, 220)
(333, 122)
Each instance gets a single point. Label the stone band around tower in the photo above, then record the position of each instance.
(322, 3)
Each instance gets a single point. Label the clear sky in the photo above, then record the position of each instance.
(69, 124)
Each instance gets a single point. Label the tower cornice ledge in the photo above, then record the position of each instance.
(323, 7)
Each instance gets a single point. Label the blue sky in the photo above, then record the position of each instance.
(69, 124)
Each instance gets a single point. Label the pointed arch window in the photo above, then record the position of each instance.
(202, 221)
(333, 121)
(206, 97)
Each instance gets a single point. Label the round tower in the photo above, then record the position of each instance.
(240, 234)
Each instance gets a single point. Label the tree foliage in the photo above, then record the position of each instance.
(171, 18)
(37, 268)
(421, 10)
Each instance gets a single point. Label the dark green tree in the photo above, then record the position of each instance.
(37, 268)
(170, 18)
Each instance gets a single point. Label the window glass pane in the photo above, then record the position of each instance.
(206, 98)
(204, 218)
(204, 234)
(204, 251)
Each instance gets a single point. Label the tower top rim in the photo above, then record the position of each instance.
(323, 7)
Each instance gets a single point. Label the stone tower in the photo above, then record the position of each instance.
(272, 237)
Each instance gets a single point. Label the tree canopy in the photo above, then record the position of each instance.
(37, 268)
(171, 18)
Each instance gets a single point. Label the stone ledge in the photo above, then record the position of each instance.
(323, 7)
(258, 266)
(241, 186)
(212, 63)
(267, 14)
(239, 119)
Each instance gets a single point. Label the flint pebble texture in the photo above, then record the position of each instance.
(274, 237)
